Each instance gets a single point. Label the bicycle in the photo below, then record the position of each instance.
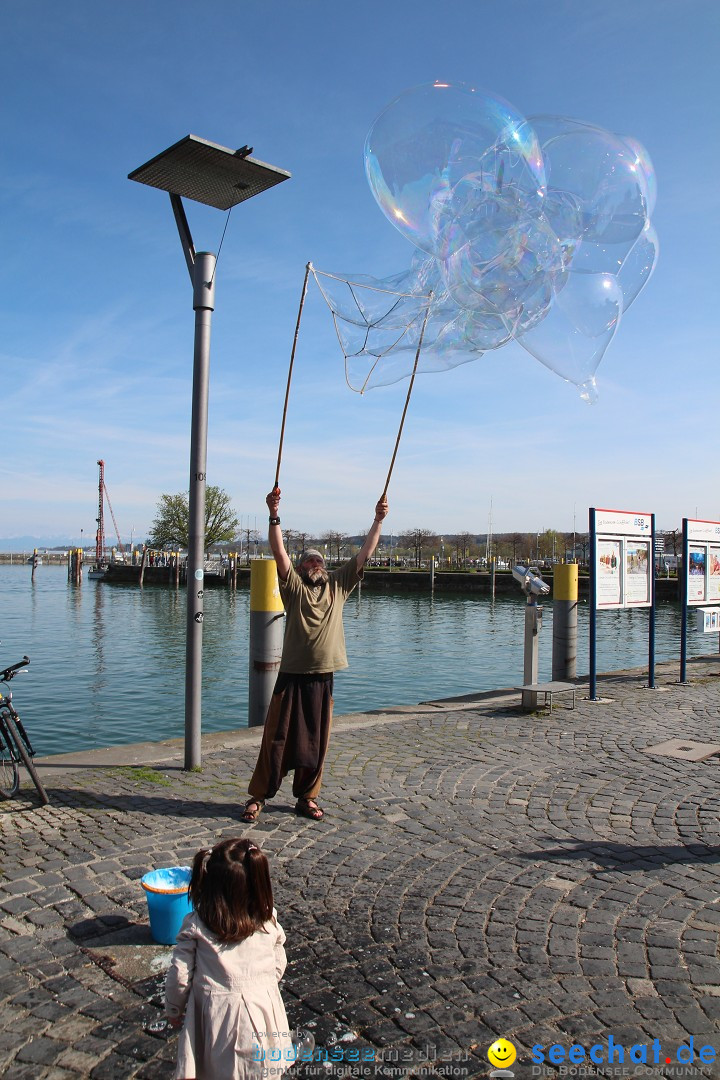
(15, 745)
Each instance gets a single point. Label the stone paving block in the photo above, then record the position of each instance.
(21, 1071)
(51, 1010)
(40, 1051)
(114, 1067)
(155, 1070)
(549, 883)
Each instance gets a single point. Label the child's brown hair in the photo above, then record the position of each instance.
(230, 889)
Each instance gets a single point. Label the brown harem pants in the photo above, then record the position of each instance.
(295, 736)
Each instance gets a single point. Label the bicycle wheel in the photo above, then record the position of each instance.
(9, 774)
(26, 759)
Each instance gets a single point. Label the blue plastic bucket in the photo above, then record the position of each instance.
(168, 903)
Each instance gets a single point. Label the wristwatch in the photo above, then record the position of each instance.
(274, 521)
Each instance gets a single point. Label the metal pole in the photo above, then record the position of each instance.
(593, 607)
(203, 274)
(565, 608)
(267, 628)
(533, 625)
(684, 602)
(651, 624)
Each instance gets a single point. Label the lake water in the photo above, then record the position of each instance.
(108, 661)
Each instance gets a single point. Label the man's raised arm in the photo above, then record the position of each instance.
(275, 537)
(371, 540)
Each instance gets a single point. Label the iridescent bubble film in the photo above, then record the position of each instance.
(528, 229)
(430, 142)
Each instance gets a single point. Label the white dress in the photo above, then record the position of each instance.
(235, 1023)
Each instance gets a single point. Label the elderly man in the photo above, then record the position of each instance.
(297, 727)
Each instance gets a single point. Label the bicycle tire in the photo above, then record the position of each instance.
(26, 759)
(9, 772)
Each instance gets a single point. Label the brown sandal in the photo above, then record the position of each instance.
(252, 815)
(309, 808)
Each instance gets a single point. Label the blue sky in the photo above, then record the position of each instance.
(96, 306)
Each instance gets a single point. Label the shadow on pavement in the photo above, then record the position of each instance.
(628, 856)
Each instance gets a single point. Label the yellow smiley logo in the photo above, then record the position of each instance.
(502, 1053)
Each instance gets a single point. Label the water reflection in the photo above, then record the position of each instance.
(98, 640)
(99, 647)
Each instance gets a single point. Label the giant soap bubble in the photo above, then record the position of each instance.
(528, 229)
(440, 156)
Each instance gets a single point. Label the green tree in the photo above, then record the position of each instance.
(172, 516)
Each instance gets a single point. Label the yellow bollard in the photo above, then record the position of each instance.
(267, 628)
(565, 603)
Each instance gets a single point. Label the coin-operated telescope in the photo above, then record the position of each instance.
(533, 586)
(530, 582)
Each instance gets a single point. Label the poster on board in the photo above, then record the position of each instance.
(713, 574)
(637, 572)
(609, 577)
(696, 573)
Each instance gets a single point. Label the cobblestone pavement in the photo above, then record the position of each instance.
(481, 872)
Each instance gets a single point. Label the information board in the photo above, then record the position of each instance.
(622, 574)
(623, 559)
(703, 561)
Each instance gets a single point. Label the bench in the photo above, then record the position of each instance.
(548, 689)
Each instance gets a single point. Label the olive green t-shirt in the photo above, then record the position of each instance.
(314, 640)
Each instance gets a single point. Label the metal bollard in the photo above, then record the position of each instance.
(533, 626)
(565, 615)
(267, 627)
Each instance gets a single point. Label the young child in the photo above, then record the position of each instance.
(224, 973)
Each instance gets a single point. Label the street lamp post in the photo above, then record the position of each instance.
(216, 176)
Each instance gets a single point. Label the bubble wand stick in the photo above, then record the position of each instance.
(407, 399)
(308, 268)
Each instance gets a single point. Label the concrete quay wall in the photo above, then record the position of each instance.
(667, 589)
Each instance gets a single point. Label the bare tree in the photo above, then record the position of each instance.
(336, 541)
(517, 541)
(419, 540)
(248, 538)
(464, 545)
(674, 538)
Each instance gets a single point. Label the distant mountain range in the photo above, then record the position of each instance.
(18, 544)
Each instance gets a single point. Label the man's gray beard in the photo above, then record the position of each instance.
(314, 577)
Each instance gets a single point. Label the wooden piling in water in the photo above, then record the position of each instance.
(143, 561)
(75, 566)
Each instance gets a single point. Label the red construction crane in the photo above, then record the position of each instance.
(100, 535)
